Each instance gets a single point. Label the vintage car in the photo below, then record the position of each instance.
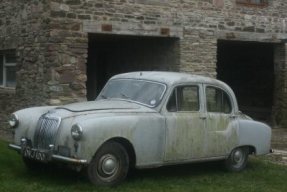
(142, 120)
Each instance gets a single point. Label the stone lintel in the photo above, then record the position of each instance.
(132, 29)
(251, 36)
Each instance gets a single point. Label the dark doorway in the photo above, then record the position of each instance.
(248, 67)
(113, 54)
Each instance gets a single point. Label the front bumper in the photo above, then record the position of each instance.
(53, 156)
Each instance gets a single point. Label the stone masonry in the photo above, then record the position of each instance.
(51, 41)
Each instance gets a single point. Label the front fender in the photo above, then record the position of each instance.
(256, 134)
(145, 132)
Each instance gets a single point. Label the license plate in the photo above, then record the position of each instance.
(34, 154)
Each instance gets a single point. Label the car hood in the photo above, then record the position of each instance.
(71, 113)
(99, 107)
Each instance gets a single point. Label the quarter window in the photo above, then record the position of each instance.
(184, 98)
(7, 69)
(217, 100)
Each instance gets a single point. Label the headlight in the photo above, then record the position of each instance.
(77, 132)
(13, 121)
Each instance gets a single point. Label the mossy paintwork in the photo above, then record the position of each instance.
(157, 136)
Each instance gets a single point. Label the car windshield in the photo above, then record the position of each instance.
(141, 91)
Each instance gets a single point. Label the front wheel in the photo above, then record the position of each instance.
(237, 159)
(110, 165)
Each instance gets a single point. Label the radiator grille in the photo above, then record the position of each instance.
(46, 131)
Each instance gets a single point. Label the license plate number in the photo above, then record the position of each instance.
(34, 154)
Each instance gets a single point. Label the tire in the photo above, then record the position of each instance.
(110, 165)
(237, 159)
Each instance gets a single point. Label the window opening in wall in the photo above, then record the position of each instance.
(253, 2)
(7, 68)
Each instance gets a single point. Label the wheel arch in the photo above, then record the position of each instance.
(237, 159)
(127, 145)
(251, 149)
(256, 135)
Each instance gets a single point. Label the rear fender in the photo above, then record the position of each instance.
(255, 134)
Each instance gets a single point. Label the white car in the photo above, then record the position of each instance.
(142, 120)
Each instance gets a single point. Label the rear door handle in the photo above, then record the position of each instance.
(203, 117)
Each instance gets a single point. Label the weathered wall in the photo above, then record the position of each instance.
(206, 21)
(198, 25)
(23, 28)
(51, 37)
(9, 38)
(280, 90)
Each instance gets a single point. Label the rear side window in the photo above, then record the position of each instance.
(217, 101)
(184, 98)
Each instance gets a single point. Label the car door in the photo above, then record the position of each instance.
(184, 127)
(221, 123)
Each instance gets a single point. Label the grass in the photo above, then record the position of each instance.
(259, 175)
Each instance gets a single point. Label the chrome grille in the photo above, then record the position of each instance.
(46, 131)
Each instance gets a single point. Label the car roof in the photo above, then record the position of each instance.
(170, 78)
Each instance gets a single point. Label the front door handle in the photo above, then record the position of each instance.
(203, 117)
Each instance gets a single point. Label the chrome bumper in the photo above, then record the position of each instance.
(55, 157)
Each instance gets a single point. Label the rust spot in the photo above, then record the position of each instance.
(165, 31)
(107, 27)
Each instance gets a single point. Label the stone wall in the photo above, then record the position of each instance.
(9, 37)
(280, 89)
(199, 24)
(23, 28)
(7, 104)
(51, 37)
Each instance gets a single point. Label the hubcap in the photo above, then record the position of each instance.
(108, 165)
(238, 156)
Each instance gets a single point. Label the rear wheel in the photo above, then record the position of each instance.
(237, 159)
(110, 165)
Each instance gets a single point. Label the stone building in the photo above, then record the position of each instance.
(54, 52)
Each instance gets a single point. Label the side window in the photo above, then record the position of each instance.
(184, 98)
(171, 105)
(8, 68)
(217, 100)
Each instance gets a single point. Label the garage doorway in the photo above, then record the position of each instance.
(113, 54)
(248, 67)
